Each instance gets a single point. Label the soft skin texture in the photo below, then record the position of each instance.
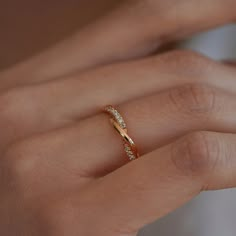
(62, 168)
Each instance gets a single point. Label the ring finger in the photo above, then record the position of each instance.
(91, 148)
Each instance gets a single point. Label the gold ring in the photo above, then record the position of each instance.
(120, 126)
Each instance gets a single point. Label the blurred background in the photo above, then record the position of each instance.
(211, 213)
(30, 26)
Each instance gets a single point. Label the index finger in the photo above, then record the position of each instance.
(134, 29)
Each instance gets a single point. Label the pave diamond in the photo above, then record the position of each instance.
(129, 152)
(116, 115)
(119, 121)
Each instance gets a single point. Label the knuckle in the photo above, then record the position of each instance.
(195, 99)
(15, 105)
(187, 62)
(196, 153)
(19, 161)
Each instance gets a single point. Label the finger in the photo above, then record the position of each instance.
(154, 185)
(91, 148)
(59, 103)
(128, 32)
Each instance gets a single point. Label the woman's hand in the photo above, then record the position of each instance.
(66, 178)
(63, 170)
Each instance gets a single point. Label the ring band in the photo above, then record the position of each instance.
(120, 126)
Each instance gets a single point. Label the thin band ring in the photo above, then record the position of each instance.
(120, 126)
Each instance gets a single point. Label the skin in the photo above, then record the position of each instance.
(63, 170)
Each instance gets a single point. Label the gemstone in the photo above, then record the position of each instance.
(117, 116)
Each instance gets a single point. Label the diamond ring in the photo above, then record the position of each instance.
(120, 126)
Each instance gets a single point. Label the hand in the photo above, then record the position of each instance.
(63, 169)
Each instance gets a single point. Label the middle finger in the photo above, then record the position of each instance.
(91, 148)
(40, 108)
